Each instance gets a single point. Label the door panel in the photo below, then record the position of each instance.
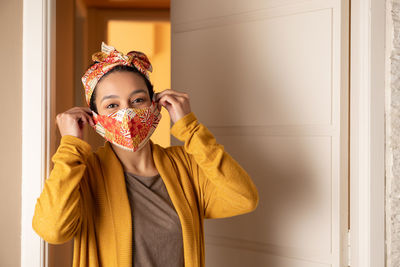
(231, 256)
(295, 200)
(269, 79)
(270, 57)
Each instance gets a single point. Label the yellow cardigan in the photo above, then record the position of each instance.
(85, 196)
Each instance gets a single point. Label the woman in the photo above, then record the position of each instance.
(133, 202)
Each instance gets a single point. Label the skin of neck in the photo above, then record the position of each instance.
(140, 162)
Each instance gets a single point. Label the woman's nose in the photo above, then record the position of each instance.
(125, 104)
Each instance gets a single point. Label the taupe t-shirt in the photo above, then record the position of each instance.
(157, 232)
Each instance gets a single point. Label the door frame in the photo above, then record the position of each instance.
(367, 133)
(38, 92)
(367, 142)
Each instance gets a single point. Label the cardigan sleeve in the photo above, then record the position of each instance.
(57, 215)
(227, 190)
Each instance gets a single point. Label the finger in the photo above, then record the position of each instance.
(81, 118)
(88, 119)
(178, 98)
(74, 115)
(171, 92)
(169, 100)
(80, 115)
(87, 110)
(177, 93)
(79, 109)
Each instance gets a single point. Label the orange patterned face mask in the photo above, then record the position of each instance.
(128, 128)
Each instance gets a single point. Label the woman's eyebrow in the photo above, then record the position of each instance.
(115, 96)
(137, 91)
(108, 96)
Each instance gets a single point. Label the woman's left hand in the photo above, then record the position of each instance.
(177, 103)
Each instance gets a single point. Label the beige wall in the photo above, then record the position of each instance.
(393, 136)
(10, 141)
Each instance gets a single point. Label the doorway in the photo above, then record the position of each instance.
(84, 24)
(183, 28)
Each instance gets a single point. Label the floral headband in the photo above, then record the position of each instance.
(108, 58)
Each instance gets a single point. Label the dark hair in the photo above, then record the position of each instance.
(120, 68)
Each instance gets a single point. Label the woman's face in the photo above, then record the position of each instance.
(120, 90)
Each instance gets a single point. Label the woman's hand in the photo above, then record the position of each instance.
(177, 103)
(71, 122)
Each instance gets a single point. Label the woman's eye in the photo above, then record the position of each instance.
(112, 106)
(138, 100)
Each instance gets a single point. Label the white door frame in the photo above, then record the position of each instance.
(367, 133)
(367, 83)
(38, 54)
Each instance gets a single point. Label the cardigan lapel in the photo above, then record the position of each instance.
(118, 202)
(168, 173)
(120, 207)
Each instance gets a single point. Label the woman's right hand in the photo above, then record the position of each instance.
(72, 121)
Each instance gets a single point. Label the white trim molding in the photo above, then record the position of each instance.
(367, 99)
(37, 80)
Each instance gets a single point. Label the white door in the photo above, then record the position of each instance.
(270, 80)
